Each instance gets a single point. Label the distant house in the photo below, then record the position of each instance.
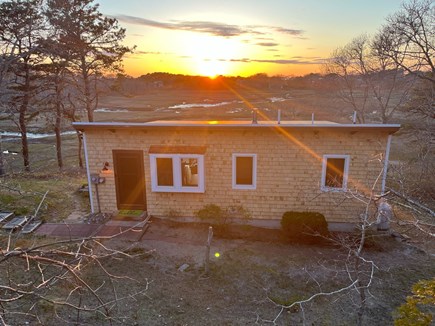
(175, 168)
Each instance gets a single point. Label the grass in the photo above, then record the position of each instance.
(22, 192)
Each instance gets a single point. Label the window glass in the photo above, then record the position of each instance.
(244, 168)
(244, 171)
(189, 172)
(164, 171)
(177, 172)
(334, 172)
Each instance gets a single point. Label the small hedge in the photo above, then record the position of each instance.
(212, 213)
(304, 226)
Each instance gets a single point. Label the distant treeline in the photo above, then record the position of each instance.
(128, 85)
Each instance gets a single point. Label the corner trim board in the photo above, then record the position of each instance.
(85, 147)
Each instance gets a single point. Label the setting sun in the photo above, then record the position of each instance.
(212, 68)
(211, 55)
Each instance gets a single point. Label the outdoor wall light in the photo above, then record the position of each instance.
(105, 167)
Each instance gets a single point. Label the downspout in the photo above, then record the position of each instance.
(387, 156)
(88, 173)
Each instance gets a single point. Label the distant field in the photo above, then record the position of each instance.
(223, 105)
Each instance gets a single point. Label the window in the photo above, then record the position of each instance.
(244, 171)
(335, 172)
(177, 172)
(165, 171)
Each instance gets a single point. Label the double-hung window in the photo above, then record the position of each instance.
(177, 172)
(244, 171)
(335, 170)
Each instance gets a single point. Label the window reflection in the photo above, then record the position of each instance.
(189, 172)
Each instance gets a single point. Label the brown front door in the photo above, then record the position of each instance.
(129, 179)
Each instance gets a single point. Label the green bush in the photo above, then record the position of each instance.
(212, 213)
(416, 310)
(304, 226)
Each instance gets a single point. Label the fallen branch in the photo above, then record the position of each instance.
(40, 204)
(411, 201)
(301, 302)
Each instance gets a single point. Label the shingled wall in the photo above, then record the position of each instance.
(289, 168)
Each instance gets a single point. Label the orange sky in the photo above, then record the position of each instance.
(241, 37)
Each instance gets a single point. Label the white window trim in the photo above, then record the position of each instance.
(254, 171)
(346, 158)
(177, 177)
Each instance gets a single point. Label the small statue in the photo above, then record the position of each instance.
(384, 215)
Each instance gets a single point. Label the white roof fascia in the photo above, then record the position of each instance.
(262, 124)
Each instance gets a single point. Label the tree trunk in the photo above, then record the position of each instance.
(2, 171)
(24, 143)
(22, 119)
(57, 128)
(79, 154)
(57, 131)
(87, 91)
(88, 101)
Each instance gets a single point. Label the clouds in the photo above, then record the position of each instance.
(267, 44)
(208, 27)
(293, 61)
(275, 42)
(293, 32)
(211, 28)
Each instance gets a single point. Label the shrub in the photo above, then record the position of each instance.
(212, 213)
(416, 310)
(305, 226)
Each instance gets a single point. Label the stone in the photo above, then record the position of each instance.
(183, 267)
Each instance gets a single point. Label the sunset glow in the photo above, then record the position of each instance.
(239, 38)
(211, 56)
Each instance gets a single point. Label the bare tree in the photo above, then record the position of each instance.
(367, 81)
(408, 39)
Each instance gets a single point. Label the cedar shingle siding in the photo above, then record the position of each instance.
(289, 167)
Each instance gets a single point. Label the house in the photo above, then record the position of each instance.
(175, 168)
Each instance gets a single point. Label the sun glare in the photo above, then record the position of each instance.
(211, 55)
(212, 68)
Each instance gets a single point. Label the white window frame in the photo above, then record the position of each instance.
(346, 158)
(177, 173)
(254, 171)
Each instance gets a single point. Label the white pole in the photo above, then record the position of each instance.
(387, 157)
(354, 117)
(312, 118)
(279, 116)
(88, 172)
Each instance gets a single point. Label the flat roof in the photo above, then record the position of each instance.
(83, 126)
